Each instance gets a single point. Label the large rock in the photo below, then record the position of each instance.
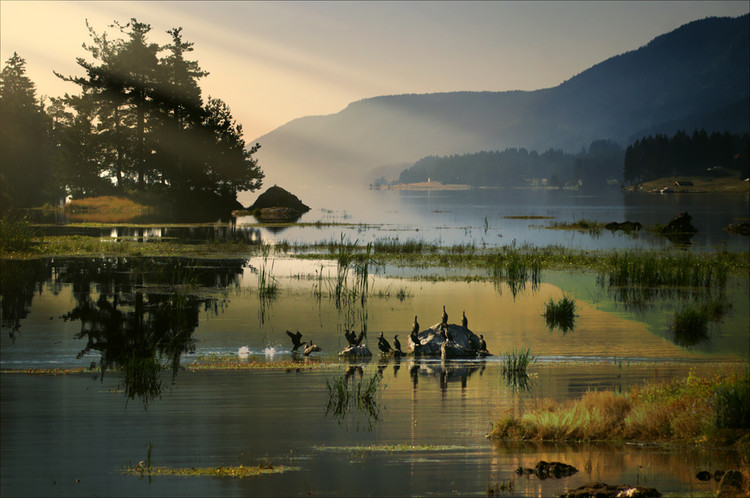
(464, 343)
(277, 204)
(680, 224)
(353, 352)
(732, 484)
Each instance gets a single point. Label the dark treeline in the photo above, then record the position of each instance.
(138, 126)
(684, 155)
(590, 168)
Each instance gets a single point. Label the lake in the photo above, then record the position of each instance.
(72, 435)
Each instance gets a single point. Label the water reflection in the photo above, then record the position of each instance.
(19, 282)
(359, 397)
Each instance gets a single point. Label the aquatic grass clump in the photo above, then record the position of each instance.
(690, 323)
(514, 369)
(582, 225)
(362, 397)
(517, 268)
(561, 313)
(683, 409)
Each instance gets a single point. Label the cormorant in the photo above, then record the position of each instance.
(445, 317)
(351, 337)
(415, 327)
(358, 340)
(397, 344)
(482, 344)
(414, 333)
(464, 321)
(295, 340)
(383, 344)
(311, 349)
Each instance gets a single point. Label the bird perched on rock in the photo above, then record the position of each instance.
(311, 349)
(358, 340)
(445, 317)
(415, 327)
(350, 336)
(295, 340)
(397, 344)
(482, 344)
(464, 321)
(383, 344)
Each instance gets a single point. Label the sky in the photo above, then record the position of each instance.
(273, 62)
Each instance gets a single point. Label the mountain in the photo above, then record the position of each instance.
(695, 76)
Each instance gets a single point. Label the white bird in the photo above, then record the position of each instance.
(244, 352)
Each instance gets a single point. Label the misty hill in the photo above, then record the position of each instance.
(696, 76)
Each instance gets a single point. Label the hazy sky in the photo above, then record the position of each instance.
(276, 61)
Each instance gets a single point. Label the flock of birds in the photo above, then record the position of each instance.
(385, 347)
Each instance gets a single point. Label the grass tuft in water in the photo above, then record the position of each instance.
(561, 313)
(361, 396)
(690, 323)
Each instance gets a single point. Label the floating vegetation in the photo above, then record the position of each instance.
(394, 448)
(239, 471)
(362, 397)
(582, 225)
(561, 314)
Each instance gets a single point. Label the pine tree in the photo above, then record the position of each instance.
(25, 142)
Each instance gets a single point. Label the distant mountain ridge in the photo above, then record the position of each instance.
(696, 75)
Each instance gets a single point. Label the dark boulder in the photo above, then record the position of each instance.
(738, 229)
(602, 490)
(703, 475)
(680, 224)
(732, 484)
(463, 344)
(277, 204)
(544, 470)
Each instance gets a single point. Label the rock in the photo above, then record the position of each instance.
(732, 484)
(625, 226)
(680, 224)
(602, 490)
(703, 475)
(464, 343)
(361, 351)
(739, 229)
(543, 470)
(276, 204)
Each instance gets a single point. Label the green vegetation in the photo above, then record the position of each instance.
(690, 323)
(105, 209)
(582, 225)
(692, 409)
(240, 471)
(561, 314)
(16, 234)
(517, 362)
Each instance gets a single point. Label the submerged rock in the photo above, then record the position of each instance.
(543, 470)
(680, 224)
(739, 229)
(463, 342)
(625, 226)
(360, 351)
(603, 490)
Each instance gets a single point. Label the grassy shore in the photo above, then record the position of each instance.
(712, 409)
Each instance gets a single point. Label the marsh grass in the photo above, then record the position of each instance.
(105, 209)
(582, 225)
(692, 409)
(561, 314)
(515, 369)
(267, 283)
(690, 322)
(516, 268)
(16, 233)
(360, 397)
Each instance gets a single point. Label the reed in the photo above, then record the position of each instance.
(517, 362)
(561, 313)
(697, 409)
(690, 323)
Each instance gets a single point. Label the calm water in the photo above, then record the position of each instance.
(72, 435)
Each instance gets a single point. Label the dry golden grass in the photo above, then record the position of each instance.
(105, 209)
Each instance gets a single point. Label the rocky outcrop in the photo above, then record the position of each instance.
(544, 470)
(277, 204)
(732, 484)
(738, 229)
(602, 490)
(463, 342)
(679, 224)
(360, 351)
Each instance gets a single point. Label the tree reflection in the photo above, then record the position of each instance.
(144, 316)
(19, 282)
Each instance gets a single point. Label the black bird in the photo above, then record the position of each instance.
(351, 337)
(383, 344)
(358, 340)
(397, 344)
(415, 327)
(311, 349)
(445, 317)
(482, 344)
(464, 321)
(295, 340)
